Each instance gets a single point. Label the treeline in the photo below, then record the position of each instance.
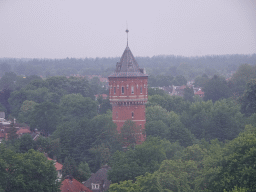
(189, 67)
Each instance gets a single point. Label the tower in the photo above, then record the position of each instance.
(128, 91)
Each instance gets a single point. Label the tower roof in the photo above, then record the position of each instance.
(128, 66)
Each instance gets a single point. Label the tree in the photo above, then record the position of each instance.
(12, 134)
(5, 67)
(84, 172)
(146, 157)
(8, 81)
(248, 100)
(177, 175)
(26, 111)
(200, 81)
(29, 171)
(75, 106)
(188, 94)
(241, 77)
(45, 117)
(69, 168)
(226, 121)
(131, 134)
(26, 143)
(216, 89)
(147, 183)
(155, 91)
(180, 80)
(2, 108)
(237, 168)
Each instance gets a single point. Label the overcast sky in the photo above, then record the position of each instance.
(83, 28)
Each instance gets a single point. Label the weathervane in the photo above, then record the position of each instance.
(127, 31)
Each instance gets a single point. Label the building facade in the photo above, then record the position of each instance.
(128, 92)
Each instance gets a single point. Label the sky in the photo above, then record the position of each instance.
(83, 28)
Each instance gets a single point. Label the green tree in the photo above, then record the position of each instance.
(84, 172)
(26, 143)
(69, 168)
(24, 172)
(179, 80)
(8, 81)
(226, 120)
(241, 77)
(75, 106)
(188, 94)
(26, 111)
(200, 81)
(13, 132)
(178, 175)
(155, 91)
(147, 183)
(131, 133)
(2, 108)
(248, 100)
(45, 117)
(237, 168)
(15, 100)
(134, 162)
(216, 89)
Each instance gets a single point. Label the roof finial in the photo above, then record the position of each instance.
(127, 32)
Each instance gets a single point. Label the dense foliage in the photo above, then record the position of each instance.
(29, 171)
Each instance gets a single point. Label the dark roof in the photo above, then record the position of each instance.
(98, 177)
(128, 66)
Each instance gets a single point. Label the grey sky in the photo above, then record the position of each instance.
(81, 28)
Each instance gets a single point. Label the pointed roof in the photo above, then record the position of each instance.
(128, 66)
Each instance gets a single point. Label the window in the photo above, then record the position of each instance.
(132, 115)
(122, 90)
(95, 186)
(140, 90)
(132, 89)
(114, 90)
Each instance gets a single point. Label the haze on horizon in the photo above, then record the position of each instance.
(81, 28)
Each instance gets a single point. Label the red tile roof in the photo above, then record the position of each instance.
(57, 165)
(200, 92)
(22, 131)
(72, 185)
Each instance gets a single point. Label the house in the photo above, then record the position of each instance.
(58, 168)
(22, 131)
(200, 93)
(69, 184)
(98, 181)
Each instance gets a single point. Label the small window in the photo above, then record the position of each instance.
(140, 89)
(95, 186)
(122, 90)
(132, 89)
(114, 90)
(132, 115)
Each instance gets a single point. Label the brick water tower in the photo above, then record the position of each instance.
(128, 91)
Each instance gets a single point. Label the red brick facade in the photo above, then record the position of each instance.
(128, 92)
